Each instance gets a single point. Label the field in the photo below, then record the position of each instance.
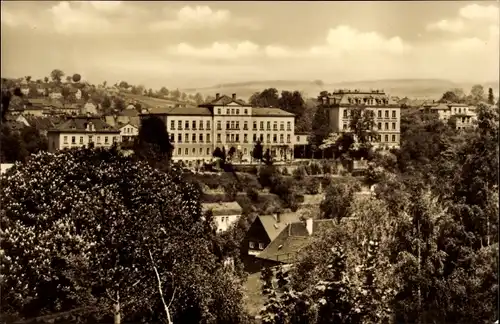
(412, 88)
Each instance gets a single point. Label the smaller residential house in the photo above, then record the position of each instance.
(224, 213)
(464, 114)
(55, 93)
(43, 124)
(82, 131)
(288, 244)
(128, 132)
(89, 108)
(264, 229)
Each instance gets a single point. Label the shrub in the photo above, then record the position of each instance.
(315, 168)
(300, 172)
(248, 181)
(266, 175)
(307, 168)
(327, 168)
(344, 173)
(312, 186)
(285, 171)
(252, 194)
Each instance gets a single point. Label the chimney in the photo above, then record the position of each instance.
(217, 96)
(278, 217)
(309, 225)
(234, 96)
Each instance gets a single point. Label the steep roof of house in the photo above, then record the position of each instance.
(223, 208)
(79, 124)
(292, 239)
(272, 227)
(270, 112)
(43, 123)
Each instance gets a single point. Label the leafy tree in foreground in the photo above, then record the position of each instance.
(84, 228)
(153, 142)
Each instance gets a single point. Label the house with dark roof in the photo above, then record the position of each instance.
(286, 247)
(226, 122)
(263, 230)
(82, 131)
(224, 214)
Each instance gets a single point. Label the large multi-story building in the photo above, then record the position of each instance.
(387, 113)
(80, 132)
(464, 114)
(227, 122)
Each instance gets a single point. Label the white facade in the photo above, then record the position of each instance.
(128, 132)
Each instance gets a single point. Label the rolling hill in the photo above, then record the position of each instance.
(412, 88)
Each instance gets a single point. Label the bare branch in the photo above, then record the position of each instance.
(109, 296)
(169, 320)
(172, 299)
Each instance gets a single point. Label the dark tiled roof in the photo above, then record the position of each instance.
(223, 209)
(78, 124)
(270, 112)
(181, 111)
(43, 123)
(272, 227)
(292, 239)
(129, 113)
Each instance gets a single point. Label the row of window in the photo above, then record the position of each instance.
(229, 125)
(379, 113)
(91, 139)
(199, 152)
(230, 138)
(368, 101)
(232, 111)
(379, 125)
(129, 130)
(252, 245)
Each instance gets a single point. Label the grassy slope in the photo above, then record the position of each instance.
(413, 88)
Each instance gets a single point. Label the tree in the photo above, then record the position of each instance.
(106, 103)
(153, 142)
(76, 77)
(231, 152)
(491, 97)
(268, 158)
(123, 85)
(183, 96)
(103, 255)
(150, 92)
(46, 79)
(28, 78)
(68, 78)
(453, 96)
(56, 75)
(176, 94)
(164, 91)
(119, 103)
(477, 93)
(267, 98)
(198, 98)
(338, 200)
(257, 152)
(320, 126)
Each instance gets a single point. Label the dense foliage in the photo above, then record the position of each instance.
(92, 228)
(433, 222)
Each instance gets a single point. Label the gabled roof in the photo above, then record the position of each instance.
(223, 208)
(272, 227)
(225, 100)
(270, 112)
(292, 239)
(121, 125)
(79, 124)
(43, 123)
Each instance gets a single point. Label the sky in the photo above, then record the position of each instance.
(195, 44)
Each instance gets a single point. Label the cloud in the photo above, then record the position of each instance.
(454, 26)
(69, 19)
(468, 17)
(477, 12)
(217, 50)
(194, 17)
(345, 39)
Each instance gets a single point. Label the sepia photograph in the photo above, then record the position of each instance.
(249, 162)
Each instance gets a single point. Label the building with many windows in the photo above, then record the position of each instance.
(81, 132)
(227, 122)
(463, 114)
(386, 113)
